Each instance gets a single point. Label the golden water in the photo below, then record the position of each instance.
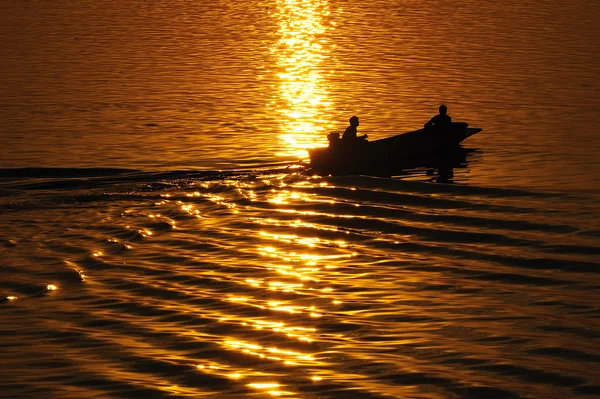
(148, 286)
(171, 278)
(189, 84)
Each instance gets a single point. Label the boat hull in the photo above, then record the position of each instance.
(419, 148)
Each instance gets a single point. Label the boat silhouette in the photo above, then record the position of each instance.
(427, 147)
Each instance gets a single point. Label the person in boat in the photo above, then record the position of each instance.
(350, 134)
(441, 120)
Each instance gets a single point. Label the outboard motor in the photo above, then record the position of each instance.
(334, 139)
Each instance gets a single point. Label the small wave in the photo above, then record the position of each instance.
(35, 178)
(15, 173)
(381, 183)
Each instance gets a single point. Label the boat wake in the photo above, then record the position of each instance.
(207, 283)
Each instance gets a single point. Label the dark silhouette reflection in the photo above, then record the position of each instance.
(440, 121)
(441, 166)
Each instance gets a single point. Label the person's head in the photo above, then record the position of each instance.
(443, 109)
(354, 121)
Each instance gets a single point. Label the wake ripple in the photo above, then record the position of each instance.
(121, 283)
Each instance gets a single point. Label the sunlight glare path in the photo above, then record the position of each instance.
(301, 52)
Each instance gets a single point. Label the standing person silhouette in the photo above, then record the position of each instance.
(350, 134)
(441, 120)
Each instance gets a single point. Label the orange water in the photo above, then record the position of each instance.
(277, 284)
(189, 84)
(171, 278)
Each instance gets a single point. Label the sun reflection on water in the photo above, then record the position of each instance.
(301, 55)
(287, 282)
(285, 356)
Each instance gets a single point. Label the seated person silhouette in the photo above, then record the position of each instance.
(350, 135)
(440, 121)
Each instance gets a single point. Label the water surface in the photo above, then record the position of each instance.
(189, 85)
(160, 239)
(175, 284)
